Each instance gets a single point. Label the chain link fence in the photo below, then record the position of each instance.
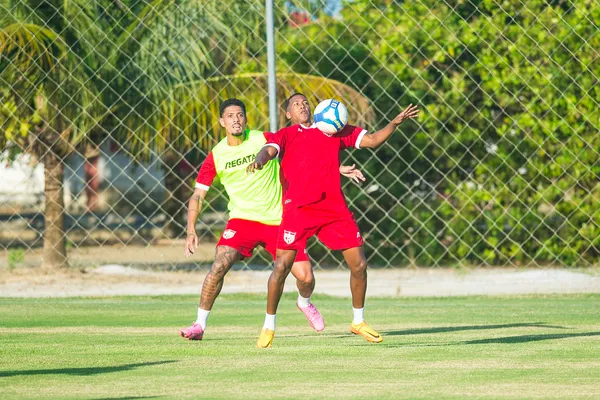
(108, 108)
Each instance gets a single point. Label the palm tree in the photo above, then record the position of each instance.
(45, 63)
(150, 74)
(65, 70)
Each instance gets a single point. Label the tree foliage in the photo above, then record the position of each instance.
(503, 166)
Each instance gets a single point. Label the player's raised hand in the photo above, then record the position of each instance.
(351, 172)
(191, 243)
(408, 113)
(253, 167)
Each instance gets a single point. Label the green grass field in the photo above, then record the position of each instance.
(129, 348)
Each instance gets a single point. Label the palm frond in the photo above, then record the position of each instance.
(189, 117)
(29, 49)
(43, 79)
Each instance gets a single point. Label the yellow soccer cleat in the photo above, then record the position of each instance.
(265, 340)
(367, 332)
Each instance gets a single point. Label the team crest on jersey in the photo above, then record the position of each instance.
(228, 234)
(289, 237)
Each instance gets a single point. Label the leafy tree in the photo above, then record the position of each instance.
(503, 167)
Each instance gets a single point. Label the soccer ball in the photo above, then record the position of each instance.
(331, 116)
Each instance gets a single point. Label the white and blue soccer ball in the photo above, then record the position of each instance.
(330, 116)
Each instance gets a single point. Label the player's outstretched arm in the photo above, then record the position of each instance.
(351, 172)
(378, 138)
(266, 154)
(194, 207)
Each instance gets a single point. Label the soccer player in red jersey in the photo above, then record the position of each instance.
(314, 204)
(255, 209)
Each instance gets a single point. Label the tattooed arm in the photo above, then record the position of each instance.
(194, 207)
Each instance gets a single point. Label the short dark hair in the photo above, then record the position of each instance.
(287, 101)
(232, 102)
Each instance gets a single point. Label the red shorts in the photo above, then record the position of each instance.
(335, 226)
(244, 235)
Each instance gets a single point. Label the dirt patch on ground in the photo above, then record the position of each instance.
(166, 254)
(114, 280)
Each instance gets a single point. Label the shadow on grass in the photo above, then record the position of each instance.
(501, 340)
(441, 329)
(530, 338)
(82, 371)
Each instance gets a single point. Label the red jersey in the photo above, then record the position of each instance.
(310, 162)
(207, 173)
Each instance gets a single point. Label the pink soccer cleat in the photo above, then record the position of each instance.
(194, 332)
(313, 316)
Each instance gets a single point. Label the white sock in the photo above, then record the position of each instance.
(202, 317)
(303, 302)
(359, 315)
(269, 322)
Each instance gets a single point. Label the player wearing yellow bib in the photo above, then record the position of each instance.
(255, 210)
